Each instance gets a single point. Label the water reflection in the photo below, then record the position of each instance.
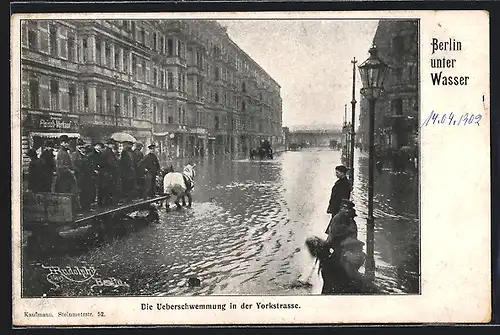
(246, 231)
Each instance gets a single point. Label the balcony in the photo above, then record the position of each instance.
(105, 120)
(95, 69)
(195, 70)
(38, 57)
(169, 128)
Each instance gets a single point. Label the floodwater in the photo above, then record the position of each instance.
(244, 234)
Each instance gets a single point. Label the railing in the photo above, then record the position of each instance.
(39, 57)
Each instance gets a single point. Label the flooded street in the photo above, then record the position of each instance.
(245, 233)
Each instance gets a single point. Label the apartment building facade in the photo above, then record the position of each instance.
(396, 111)
(184, 85)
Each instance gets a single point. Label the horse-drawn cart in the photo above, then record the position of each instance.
(48, 217)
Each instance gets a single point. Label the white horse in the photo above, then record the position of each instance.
(179, 184)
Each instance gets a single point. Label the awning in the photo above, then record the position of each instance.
(54, 135)
(160, 134)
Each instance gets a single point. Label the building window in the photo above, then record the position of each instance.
(154, 41)
(398, 45)
(98, 100)
(132, 29)
(54, 95)
(155, 110)
(162, 78)
(217, 73)
(179, 48)
(397, 107)
(109, 107)
(134, 67)
(216, 119)
(85, 50)
(398, 75)
(143, 36)
(125, 104)
(179, 116)
(34, 94)
(179, 81)
(86, 98)
(162, 110)
(162, 44)
(170, 81)
(134, 107)
(71, 47)
(98, 52)
(117, 58)
(243, 106)
(155, 77)
(32, 35)
(144, 71)
(53, 41)
(125, 62)
(170, 47)
(243, 87)
(72, 98)
(170, 120)
(108, 54)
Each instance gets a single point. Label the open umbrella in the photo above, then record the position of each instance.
(123, 137)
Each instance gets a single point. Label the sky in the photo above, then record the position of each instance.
(311, 60)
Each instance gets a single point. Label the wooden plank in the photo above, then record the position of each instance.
(126, 208)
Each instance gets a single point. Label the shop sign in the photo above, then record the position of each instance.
(52, 123)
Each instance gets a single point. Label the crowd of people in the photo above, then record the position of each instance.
(103, 173)
(341, 255)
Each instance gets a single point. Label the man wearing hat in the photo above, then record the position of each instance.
(91, 166)
(65, 169)
(77, 156)
(340, 190)
(338, 274)
(137, 157)
(48, 166)
(108, 175)
(34, 172)
(342, 225)
(152, 167)
(127, 171)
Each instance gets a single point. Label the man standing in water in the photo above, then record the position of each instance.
(341, 190)
(152, 167)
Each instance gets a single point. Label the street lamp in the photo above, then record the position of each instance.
(372, 73)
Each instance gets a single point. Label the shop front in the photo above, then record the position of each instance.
(39, 127)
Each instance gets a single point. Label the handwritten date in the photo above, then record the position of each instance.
(451, 119)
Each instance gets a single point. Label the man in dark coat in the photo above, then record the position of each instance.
(151, 165)
(91, 165)
(65, 169)
(137, 157)
(35, 176)
(48, 166)
(340, 190)
(127, 171)
(340, 274)
(108, 175)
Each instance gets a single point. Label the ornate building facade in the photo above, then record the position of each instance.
(184, 85)
(396, 111)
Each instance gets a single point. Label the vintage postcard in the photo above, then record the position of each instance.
(250, 168)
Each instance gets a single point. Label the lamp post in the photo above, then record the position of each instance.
(353, 107)
(372, 73)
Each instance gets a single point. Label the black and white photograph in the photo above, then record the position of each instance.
(194, 157)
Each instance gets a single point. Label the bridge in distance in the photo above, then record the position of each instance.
(314, 137)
